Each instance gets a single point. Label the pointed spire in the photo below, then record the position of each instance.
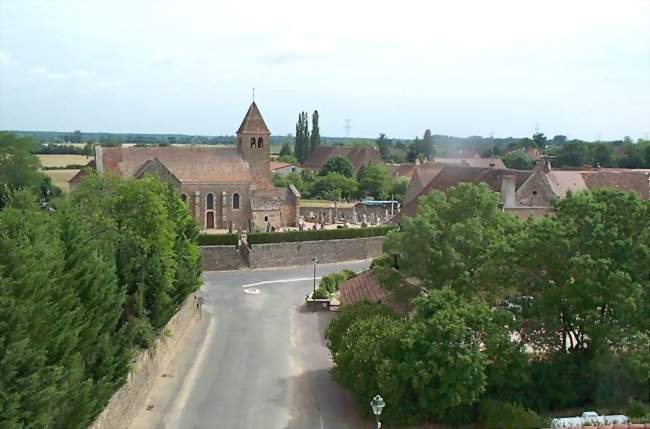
(253, 122)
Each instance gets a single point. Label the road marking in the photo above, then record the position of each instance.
(302, 279)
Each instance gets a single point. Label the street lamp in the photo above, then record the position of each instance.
(377, 405)
(315, 261)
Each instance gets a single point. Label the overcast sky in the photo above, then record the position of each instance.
(460, 68)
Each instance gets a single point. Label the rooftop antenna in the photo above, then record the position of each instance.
(347, 128)
(536, 127)
(253, 95)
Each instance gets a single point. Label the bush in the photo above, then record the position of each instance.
(637, 409)
(320, 293)
(218, 239)
(348, 274)
(383, 262)
(316, 235)
(504, 415)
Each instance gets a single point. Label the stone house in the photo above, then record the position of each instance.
(359, 156)
(223, 187)
(284, 168)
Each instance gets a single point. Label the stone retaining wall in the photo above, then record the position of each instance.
(148, 366)
(219, 258)
(302, 252)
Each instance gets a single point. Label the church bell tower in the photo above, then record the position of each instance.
(254, 141)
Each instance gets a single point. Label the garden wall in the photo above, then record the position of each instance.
(148, 366)
(302, 252)
(220, 258)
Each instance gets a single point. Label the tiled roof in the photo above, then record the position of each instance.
(253, 122)
(563, 181)
(624, 180)
(187, 164)
(81, 173)
(275, 165)
(452, 175)
(357, 155)
(401, 170)
(472, 162)
(363, 287)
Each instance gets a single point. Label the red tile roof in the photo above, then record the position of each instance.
(187, 164)
(82, 173)
(363, 287)
(357, 155)
(275, 165)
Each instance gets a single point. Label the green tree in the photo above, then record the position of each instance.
(314, 139)
(374, 181)
(302, 137)
(540, 140)
(398, 187)
(285, 150)
(334, 186)
(603, 155)
(19, 169)
(425, 147)
(338, 165)
(383, 146)
(574, 154)
(452, 237)
(518, 160)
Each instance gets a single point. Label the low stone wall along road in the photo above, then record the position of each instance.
(255, 360)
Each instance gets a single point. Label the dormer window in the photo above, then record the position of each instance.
(252, 141)
(260, 142)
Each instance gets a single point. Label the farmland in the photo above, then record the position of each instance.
(60, 177)
(49, 161)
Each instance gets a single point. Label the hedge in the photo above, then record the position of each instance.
(218, 239)
(315, 235)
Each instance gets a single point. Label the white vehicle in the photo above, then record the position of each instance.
(588, 418)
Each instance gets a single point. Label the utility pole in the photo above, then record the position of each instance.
(347, 128)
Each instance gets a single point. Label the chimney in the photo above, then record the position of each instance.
(99, 165)
(508, 182)
(543, 164)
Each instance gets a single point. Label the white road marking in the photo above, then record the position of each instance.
(302, 279)
(252, 291)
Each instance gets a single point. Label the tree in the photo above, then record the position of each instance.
(19, 169)
(574, 153)
(334, 186)
(425, 147)
(518, 160)
(451, 239)
(559, 140)
(314, 140)
(338, 165)
(540, 140)
(374, 181)
(285, 150)
(398, 187)
(302, 137)
(603, 155)
(383, 146)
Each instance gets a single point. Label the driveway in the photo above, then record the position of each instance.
(256, 360)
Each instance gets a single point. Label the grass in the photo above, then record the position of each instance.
(63, 160)
(60, 177)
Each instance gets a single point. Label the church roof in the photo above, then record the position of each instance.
(187, 164)
(253, 122)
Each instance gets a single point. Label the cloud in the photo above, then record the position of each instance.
(5, 58)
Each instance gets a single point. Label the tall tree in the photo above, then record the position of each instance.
(302, 137)
(314, 140)
(337, 164)
(374, 181)
(383, 146)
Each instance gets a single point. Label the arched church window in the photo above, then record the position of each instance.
(260, 142)
(252, 141)
(235, 201)
(209, 202)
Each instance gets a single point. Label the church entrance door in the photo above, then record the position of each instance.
(209, 220)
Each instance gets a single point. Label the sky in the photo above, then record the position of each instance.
(571, 67)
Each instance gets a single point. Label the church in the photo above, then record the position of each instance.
(223, 187)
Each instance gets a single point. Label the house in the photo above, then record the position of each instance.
(523, 193)
(471, 162)
(401, 170)
(359, 156)
(536, 194)
(224, 188)
(366, 286)
(284, 168)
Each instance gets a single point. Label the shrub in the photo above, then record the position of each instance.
(382, 262)
(321, 293)
(315, 235)
(218, 239)
(636, 409)
(348, 274)
(504, 415)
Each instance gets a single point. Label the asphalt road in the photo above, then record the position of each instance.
(256, 360)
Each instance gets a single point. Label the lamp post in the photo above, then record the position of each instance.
(377, 405)
(315, 261)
